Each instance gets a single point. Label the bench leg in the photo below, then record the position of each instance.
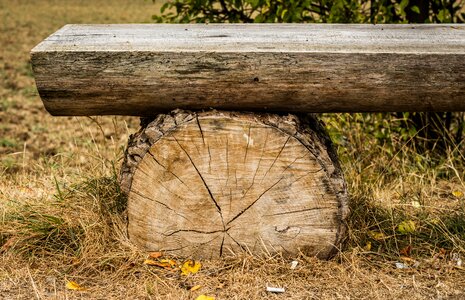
(215, 183)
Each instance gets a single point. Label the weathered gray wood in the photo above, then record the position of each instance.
(213, 183)
(146, 69)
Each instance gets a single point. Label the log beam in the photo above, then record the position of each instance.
(146, 69)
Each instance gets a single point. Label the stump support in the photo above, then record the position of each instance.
(208, 184)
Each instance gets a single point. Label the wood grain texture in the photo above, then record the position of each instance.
(216, 183)
(147, 69)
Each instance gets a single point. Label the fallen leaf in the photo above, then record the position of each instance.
(376, 235)
(203, 297)
(407, 259)
(190, 267)
(150, 262)
(71, 285)
(155, 255)
(167, 264)
(457, 194)
(194, 288)
(406, 251)
(406, 227)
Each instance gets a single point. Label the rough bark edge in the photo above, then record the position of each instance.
(304, 128)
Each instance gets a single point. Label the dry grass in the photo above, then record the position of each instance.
(61, 209)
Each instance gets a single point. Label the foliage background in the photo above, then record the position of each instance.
(324, 11)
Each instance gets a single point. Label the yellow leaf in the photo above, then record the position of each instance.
(190, 267)
(203, 297)
(376, 235)
(457, 194)
(150, 262)
(367, 246)
(71, 285)
(406, 227)
(194, 288)
(168, 264)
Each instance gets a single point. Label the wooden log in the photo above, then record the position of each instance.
(215, 183)
(144, 69)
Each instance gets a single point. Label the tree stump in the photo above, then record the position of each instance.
(216, 183)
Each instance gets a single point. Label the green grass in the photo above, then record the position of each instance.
(391, 183)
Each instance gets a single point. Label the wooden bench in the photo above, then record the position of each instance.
(247, 175)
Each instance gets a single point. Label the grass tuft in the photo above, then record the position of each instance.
(392, 184)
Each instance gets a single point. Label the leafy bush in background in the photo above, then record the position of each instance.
(326, 11)
(428, 132)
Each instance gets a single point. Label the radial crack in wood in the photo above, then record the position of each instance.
(214, 183)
